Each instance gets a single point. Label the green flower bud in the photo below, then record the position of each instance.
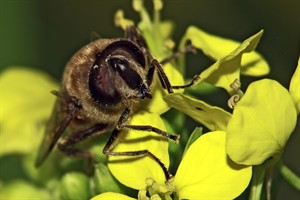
(74, 185)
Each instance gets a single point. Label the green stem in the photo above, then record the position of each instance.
(181, 59)
(257, 182)
(289, 176)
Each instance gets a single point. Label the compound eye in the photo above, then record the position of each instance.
(119, 65)
(127, 72)
(101, 83)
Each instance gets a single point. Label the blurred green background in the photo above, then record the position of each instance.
(44, 34)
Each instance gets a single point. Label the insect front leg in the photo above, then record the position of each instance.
(164, 79)
(188, 48)
(139, 153)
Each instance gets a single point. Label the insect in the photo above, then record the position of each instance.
(101, 88)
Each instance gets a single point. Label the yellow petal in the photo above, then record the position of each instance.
(214, 118)
(26, 104)
(295, 86)
(226, 69)
(111, 196)
(253, 64)
(157, 103)
(206, 172)
(261, 123)
(133, 172)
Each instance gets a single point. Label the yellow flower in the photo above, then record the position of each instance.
(205, 172)
(265, 117)
(295, 86)
(232, 60)
(26, 103)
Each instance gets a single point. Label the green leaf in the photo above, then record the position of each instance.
(264, 117)
(295, 86)
(214, 118)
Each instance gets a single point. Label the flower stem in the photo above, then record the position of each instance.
(257, 182)
(289, 176)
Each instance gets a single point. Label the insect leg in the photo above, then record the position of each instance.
(107, 150)
(195, 79)
(122, 125)
(188, 48)
(164, 134)
(67, 144)
(162, 76)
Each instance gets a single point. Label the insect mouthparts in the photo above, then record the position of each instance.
(144, 92)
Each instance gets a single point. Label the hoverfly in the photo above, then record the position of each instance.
(101, 87)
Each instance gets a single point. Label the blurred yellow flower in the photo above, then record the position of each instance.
(26, 103)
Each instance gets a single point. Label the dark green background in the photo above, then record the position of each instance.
(44, 34)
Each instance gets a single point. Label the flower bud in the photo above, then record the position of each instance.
(74, 185)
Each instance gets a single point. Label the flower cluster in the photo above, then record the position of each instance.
(213, 165)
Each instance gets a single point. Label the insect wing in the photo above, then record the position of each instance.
(55, 127)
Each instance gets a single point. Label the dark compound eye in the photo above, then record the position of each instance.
(128, 74)
(125, 48)
(120, 65)
(101, 83)
(125, 59)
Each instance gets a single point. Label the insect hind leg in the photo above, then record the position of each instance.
(67, 145)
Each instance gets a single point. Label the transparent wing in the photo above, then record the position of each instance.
(55, 127)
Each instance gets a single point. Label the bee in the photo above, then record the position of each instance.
(102, 85)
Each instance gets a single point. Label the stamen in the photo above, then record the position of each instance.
(233, 100)
(155, 190)
(236, 85)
